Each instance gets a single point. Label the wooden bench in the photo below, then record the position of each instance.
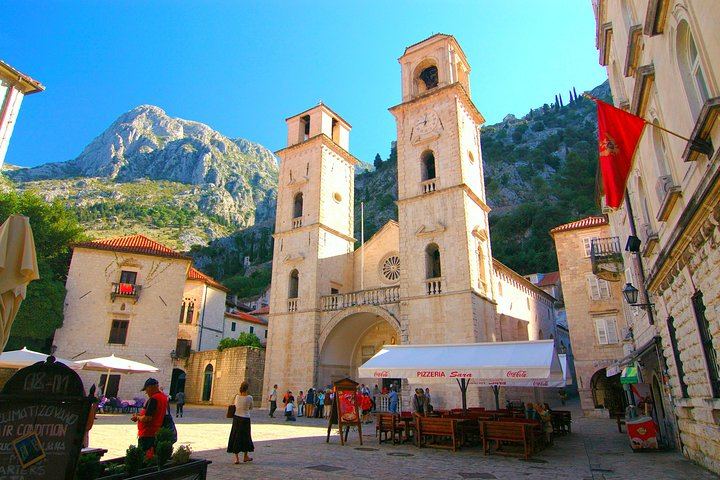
(503, 433)
(535, 430)
(444, 432)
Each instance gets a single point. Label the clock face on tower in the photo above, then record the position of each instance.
(428, 125)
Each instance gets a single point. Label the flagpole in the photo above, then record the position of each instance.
(362, 245)
(588, 96)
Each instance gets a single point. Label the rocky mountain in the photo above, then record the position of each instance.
(232, 183)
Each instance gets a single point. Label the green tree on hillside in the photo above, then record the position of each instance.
(54, 228)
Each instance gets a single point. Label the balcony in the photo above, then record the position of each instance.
(606, 258)
(377, 296)
(433, 286)
(428, 186)
(125, 290)
(292, 304)
(297, 222)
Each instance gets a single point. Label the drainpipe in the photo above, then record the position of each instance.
(638, 257)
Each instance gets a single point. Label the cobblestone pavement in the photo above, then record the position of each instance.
(594, 451)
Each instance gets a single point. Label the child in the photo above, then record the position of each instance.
(366, 406)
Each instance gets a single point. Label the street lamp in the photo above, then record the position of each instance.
(631, 297)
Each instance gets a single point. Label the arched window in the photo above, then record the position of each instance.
(691, 69)
(644, 209)
(426, 76)
(190, 312)
(661, 153)
(293, 284)
(429, 76)
(428, 165)
(298, 205)
(182, 312)
(432, 261)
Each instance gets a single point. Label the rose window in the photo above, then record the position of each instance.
(391, 268)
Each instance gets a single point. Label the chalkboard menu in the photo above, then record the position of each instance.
(43, 415)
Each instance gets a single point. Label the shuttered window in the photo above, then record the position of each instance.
(606, 329)
(598, 289)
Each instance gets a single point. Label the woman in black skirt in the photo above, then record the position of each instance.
(240, 439)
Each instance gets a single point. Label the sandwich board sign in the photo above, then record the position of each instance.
(344, 412)
(43, 417)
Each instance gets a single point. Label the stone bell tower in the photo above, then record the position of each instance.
(447, 295)
(313, 240)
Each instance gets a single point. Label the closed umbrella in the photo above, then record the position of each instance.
(24, 358)
(18, 266)
(113, 364)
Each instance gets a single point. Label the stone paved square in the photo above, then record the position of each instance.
(594, 451)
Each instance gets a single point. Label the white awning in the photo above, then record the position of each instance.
(514, 364)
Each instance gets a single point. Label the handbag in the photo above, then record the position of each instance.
(169, 423)
(230, 411)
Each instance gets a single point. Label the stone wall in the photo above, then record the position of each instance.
(230, 367)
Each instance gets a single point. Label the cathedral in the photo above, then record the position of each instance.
(428, 278)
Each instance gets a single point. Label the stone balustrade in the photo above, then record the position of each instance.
(376, 296)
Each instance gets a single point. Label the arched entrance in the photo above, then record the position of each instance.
(352, 339)
(607, 391)
(177, 383)
(207, 383)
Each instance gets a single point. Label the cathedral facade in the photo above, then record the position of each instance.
(428, 278)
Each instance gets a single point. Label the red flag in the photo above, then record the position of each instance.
(618, 135)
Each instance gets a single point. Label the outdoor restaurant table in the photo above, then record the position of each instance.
(408, 418)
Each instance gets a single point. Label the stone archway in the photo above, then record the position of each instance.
(350, 338)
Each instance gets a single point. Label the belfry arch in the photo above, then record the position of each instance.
(351, 337)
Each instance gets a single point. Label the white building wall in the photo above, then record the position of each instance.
(153, 319)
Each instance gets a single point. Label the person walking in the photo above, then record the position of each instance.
(150, 418)
(272, 398)
(240, 436)
(180, 404)
(392, 397)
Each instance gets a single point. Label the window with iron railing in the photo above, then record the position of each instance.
(706, 341)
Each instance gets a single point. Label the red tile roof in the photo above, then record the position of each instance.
(552, 278)
(584, 223)
(247, 318)
(261, 311)
(134, 244)
(195, 274)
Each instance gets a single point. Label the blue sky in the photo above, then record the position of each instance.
(243, 67)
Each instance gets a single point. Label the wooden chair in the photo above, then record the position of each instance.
(384, 425)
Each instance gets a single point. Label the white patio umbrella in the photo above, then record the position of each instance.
(24, 358)
(18, 266)
(115, 364)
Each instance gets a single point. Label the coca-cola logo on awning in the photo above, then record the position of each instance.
(383, 374)
(517, 374)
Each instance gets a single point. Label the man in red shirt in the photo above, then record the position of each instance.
(151, 416)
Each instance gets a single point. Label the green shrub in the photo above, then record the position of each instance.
(134, 457)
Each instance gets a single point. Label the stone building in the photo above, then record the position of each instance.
(427, 278)
(139, 300)
(238, 322)
(595, 316)
(13, 88)
(662, 61)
